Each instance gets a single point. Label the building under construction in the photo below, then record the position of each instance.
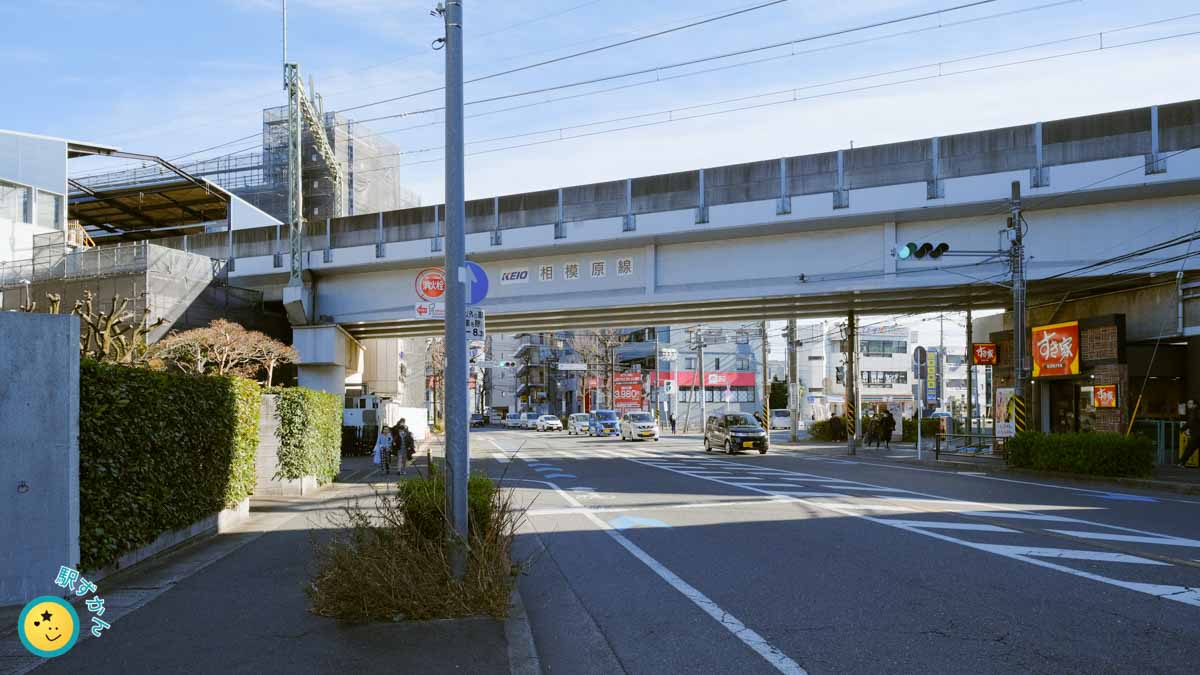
(370, 163)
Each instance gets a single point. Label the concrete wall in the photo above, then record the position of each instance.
(39, 452)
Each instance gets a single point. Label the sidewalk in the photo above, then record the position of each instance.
(1165, 478)
(235, 603)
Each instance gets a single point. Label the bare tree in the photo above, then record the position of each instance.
(596, 347)
(270, 353)
(221, 348)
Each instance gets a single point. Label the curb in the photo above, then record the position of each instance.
(522, 652)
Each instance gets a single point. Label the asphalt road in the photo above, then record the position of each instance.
(652, 557)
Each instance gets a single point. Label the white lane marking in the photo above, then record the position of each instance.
(1182, 594)
(861, 507)
(793, 493)
(1051, 486)
(582, 489)
(864, 488)
(631, 522)
(741, 631)
(500, 457)
(1066, 553)
(938, 525)
(1133, 538)
(1019, 515)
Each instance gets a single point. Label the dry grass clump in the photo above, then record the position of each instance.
(392, 562)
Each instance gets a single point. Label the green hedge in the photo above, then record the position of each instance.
(930, 427)
(309, 433)
(1096, 453)
(158, 452)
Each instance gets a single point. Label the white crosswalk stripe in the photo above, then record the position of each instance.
(942, 516)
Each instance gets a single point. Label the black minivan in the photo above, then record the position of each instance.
(732, 432)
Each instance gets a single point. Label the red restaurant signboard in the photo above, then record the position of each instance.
(985, 353)
(1104, 396)
(1056, 349)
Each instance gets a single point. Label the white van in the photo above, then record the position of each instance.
(529, 420)
(781, 419)
(512, 421)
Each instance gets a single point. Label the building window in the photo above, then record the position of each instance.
(743, 337)
(743, 363)
(840, 374)
(16, 203)
(689, 363)
(818, 357)
(717, 363)
(49, 210)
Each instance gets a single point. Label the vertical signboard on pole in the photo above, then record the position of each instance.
(627, 392)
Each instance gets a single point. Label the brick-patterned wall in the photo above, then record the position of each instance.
(1099, 343)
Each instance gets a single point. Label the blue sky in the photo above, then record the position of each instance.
(171, 77)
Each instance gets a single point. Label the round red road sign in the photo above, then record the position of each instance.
(431, 284)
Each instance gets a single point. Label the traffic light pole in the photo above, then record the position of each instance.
(457, 438)
(851, 379)
(1017, 254)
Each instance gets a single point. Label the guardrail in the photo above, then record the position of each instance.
(976, 444)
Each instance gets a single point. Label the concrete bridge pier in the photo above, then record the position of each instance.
(327, 355)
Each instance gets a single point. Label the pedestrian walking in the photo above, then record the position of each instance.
(403, 441)
(672, 423)
(383, 449)
(889, 427)
(1192, 425)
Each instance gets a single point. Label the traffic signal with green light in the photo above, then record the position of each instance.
(914, 250)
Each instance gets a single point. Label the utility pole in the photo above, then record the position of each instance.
(970, 361)
(939, 368)
(851, 379)
(793, 361)
(1017, 255)
(766, 373)
(700, 377)
(458, 456)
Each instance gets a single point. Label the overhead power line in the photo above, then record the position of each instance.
(585, 52)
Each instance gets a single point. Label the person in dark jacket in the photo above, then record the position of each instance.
(1192, 425)
(889, 426)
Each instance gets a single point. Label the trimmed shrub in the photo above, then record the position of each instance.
(158, 452)
(930, 427)
(393, 562)
(309, 433)
(1092, 452)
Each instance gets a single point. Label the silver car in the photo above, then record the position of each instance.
(549, 423)
(639, 425)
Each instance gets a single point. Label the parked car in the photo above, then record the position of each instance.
(477, 420)
(733, 432)
(781, 419)
(603, 423)
(577, 424)
(549, 423)
(512, 421)
(529, 420)
(635, 425)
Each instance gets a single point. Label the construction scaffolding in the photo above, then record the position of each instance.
(370, 165)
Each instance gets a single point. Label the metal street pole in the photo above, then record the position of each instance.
(700, 368)
(457, 435)
(793, 380)
(766, 372)
(1018, 288)
(970, 360)
(851, 384)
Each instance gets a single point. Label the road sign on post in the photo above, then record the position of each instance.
(477, 283)
(475, 329)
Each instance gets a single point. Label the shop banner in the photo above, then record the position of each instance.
(1006, 426)
(627, 392)
(1056, 349)
(985, 353)
(1104, 395)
